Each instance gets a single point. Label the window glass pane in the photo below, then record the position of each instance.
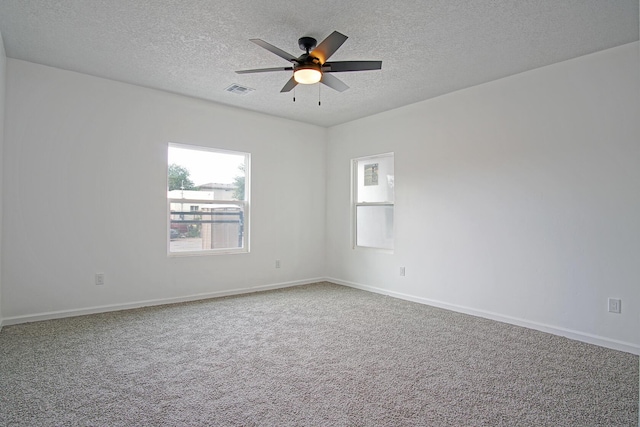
(206, 174)
(207, 199)
(210, 227)
(374, 226)
(375, 180)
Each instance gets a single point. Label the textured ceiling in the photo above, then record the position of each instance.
(428, 47)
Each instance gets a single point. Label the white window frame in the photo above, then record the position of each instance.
(244, 204)
(355, 204)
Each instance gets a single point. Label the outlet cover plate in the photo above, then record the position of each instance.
(99, 279)
(615, 305)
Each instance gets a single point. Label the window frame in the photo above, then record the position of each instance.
(243, 204)
(355, 204)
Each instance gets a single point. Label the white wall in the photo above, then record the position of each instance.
(517, 200)
(3, 62)
(70, 135)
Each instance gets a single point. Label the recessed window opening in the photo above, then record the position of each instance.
(207, 200)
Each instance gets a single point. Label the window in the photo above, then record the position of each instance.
(207, 200)
(373, 202)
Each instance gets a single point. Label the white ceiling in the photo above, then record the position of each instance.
(428, 47)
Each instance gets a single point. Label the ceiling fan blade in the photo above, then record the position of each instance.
(271, 48)
(341, 66)
(334, 82)
(290, 85)
(329, 46)
(264, 70)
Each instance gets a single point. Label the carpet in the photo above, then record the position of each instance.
(314, 355)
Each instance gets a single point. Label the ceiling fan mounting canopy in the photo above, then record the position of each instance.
(307, 43)
(313, 66)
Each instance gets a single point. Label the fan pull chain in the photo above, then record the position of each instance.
(294, 94)
(319, 94)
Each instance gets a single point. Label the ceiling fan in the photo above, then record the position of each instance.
(312, 66)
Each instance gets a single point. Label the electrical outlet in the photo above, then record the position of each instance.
(99, 279)
(402, 271)
(615, 305)
(277, 263)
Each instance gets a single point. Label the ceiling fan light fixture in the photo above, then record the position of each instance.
(307, 74)
(312, 66)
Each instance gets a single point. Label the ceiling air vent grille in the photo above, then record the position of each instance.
(238, 89)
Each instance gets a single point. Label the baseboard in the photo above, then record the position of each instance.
(572, 334)
(147, 303)
(568, 333)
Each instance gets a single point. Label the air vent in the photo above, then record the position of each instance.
(239, 90)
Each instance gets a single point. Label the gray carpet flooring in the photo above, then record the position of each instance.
(315, 355)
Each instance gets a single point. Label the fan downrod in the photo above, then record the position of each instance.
(307, 43)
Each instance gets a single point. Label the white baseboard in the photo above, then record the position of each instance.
(576, 335)
(147, 303)
(555, 330)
